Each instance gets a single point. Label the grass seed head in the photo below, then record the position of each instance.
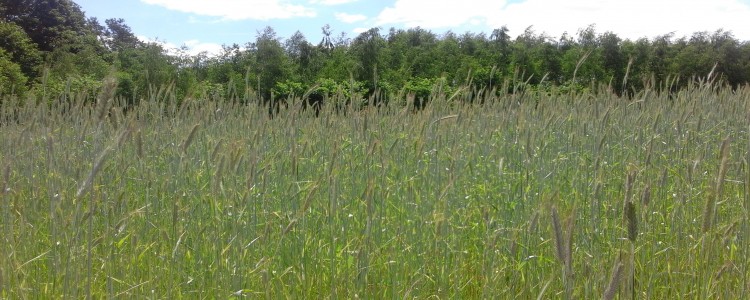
(139, 144)
(632, 222)
(189, 138)
(646, 195)
(557, 228)
(614, 281)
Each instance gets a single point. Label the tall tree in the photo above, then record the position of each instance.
(366, 48)
(47, 22)
(12, 80)
(19, 47)
(303, 56)
(270, 61)
(326, 43)
(119, 36)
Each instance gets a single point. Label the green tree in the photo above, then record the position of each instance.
(47, 22)
(305, 58)
(119, 36)
(270, 65)
(12, 79)
(366, 49)
(638, 53)
(729, 58)
(613, 61)
(694, 57)
(661, 57)
(20, 48)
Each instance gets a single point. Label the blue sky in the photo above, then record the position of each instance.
(204, 25)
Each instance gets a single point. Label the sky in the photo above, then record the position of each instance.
(205, 25)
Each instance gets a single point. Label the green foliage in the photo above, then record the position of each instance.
(52, 88)
(17, 44)
(47, 22)
(12, 79)
(271, 62)
(126, 87)
(288, 89)
(56, 35)
(118, 36)
(421, 88)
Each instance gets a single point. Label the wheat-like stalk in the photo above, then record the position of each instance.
(90, 179)
(6, 179)
(631, 221)
(106, 97)
(139, 144)
(559, 242)
(189, 139)
(710, 208)
(646, 195)
(614, 281)
(216, 149)
(568, 251)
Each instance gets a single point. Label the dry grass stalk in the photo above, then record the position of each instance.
(663, 178)
(308, 200)
(563, 247)
(627, 73)
(568, 251)
(580, 62)
(544, 289)
(189, 139)
(559, 242)
(6, 178)
(301, 213)
(124, 135)
(90, 179)
(710, 207)
(646, 195)
(218, 174)
(629, 186)
(105, 98)
(534, 222)
(139, 144)
(614, 281)
(216, 149)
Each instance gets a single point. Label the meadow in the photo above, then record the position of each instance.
(530, 195)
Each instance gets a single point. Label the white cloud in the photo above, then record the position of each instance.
(350, 18)
(237, 9)
(359, 30)
(193, 47)
(196, 47)
(332, 2)
(438, 13)
(628, 19)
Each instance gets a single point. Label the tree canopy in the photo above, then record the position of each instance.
(52, 44)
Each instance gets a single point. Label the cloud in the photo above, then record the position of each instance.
(193, 47)
(628, 19)
(359, 30)
(235, 10)
(438, 13)
(196, 47)
(331, 2)
(350, 18)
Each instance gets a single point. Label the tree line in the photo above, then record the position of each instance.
(50, 47)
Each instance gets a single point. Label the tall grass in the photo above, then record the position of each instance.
(196, 198)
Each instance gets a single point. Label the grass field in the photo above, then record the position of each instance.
(530, 196)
